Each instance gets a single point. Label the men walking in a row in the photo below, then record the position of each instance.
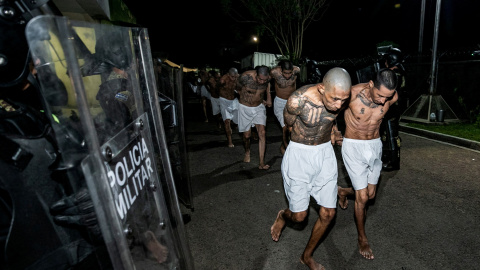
(309, 166)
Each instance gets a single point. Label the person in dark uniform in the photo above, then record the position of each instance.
(393, 60)
(38, 184)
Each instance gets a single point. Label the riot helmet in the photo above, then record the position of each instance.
(393, 58)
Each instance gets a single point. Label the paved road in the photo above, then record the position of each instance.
(425, 215)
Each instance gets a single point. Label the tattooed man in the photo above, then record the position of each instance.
(228, 101)
(285, 76)
(309, 166)
(362, 147)
(252, 86)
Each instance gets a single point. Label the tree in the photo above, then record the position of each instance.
(285, 21)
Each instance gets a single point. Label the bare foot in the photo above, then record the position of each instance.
(264, 167)
(277, 226)
(156, 250)
(365, 250)
(342, 200)
(231, 145)
(247, 157)
(312, 264)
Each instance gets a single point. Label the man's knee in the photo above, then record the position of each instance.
(299, 216)
(261, 131)
(327, 214)
(362, 196)
(371, 191)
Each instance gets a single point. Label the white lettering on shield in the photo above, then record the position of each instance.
(129, 176)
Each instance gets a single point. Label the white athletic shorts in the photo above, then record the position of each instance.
(310, 170)
(229, 109)
(278, 106)
(215, 105)
(249, 116)
(204, 92)
(363, 161)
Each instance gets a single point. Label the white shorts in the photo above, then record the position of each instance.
(229, 109)
(278, 106)
(363, 161)
(215, 105)
(310, 170)
(204, 92)
(249, 116)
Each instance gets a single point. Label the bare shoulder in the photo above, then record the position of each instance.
(296, 70)
(299, 93)
(249, 73)
(244, 78)
(303, 90)
(357, 88)
(296, 100)
(275, 71)
(394, 98)
(224, 78)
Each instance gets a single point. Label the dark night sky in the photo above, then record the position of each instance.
(193, 32)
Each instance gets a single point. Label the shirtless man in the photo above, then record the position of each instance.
(362, 147)
(228, 101)
(285, 76)
(251, 87)
(214, 90)
(309, 167)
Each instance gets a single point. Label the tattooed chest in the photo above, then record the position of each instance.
(284, 83)
(364, 107)
(314, 116)
(365, 101)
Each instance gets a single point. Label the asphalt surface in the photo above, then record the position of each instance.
(425, 215)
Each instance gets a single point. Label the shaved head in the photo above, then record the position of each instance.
(233, 71)
(337, 78)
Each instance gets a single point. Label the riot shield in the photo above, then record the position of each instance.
(171, 102)
(108, 124)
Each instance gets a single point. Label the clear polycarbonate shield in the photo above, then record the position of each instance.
(98, 84)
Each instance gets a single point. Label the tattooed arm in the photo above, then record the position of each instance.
(269, 96)
(293, 108)
(240, 83)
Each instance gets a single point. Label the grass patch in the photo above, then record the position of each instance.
(462, 130)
